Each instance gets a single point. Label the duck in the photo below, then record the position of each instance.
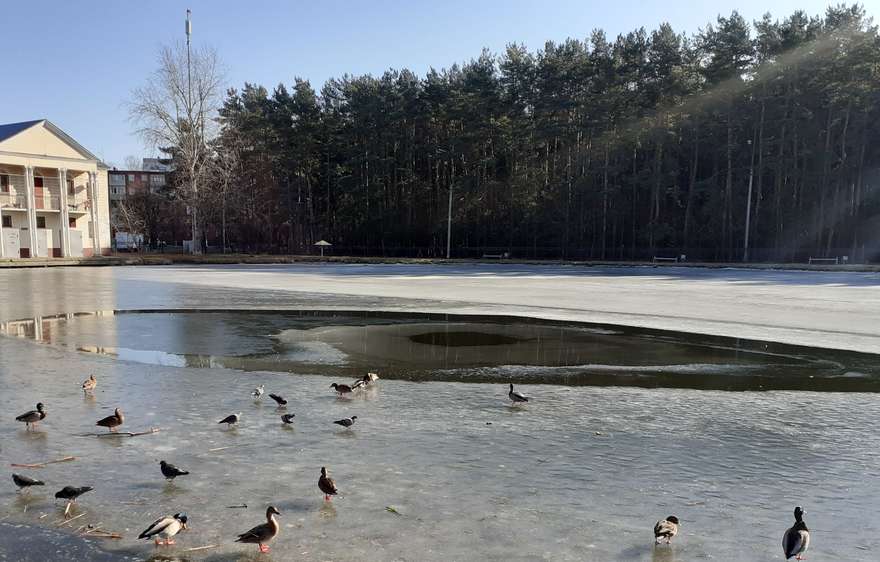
(327, 485)
(278, 400)
(166, 528)
(288, 418)
(665, 529)
(516, 397)
(341, 389)
(346, 422)
(796, 539)
(365, 381)
(24, 482)
(71, 493)
(89, 384)
(112, 422)
(231, 419)
(170, 471)
(258, 392)
(264, 533)
(31, 418)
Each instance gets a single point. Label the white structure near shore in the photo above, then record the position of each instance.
(53, 194)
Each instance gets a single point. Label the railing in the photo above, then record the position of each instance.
(47, 202)
(13, 200)
(77, 203)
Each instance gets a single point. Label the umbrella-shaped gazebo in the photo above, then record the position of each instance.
(323, 244)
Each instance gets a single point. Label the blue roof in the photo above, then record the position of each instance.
(12, 129)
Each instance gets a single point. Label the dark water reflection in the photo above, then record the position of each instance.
(421, 347)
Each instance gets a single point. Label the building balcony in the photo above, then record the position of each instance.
(13, 201)
(77, 204)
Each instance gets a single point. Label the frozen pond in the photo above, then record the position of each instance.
(626, 426)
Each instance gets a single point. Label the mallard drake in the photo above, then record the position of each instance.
(71, 493)
(24, 482)
(327, 485)
(346, 422)
(341, 389)
(166, 528)
(258, 392)
(288, 418)
(32, 417)
(278, 399)
(796, 539)
(90, 383)
(516, 397)
(112, 422)
(231, 419)
(264, 533)
(665, 529)
(170, 472)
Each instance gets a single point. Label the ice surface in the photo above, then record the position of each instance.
(580, 473)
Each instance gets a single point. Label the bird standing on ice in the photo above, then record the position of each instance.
(165, 528)
(796, 539)
(346, 422)
(327, 485)
(516, 397)
(665, 529)
(231, 419)
(24, 482)
(341, 389)
(258, 392)
(264, 533)
(170, 472)
(280, 400)
(89, 384)
(112, 422)
(31, 417)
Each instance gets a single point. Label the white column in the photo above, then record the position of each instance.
(65, 216)
(31, 209)
(93, 207)
(2, 240)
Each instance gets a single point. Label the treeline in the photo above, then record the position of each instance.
(759, 141)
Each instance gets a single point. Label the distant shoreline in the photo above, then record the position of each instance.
(258, 259)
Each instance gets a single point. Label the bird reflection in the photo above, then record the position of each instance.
(663, 553)
(327, 511)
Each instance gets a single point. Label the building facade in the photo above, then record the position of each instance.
(53, 194)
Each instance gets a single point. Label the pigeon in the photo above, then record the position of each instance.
(288, 418)
(170, 471)
(231, 419)
(278, 399)
(346, 422)
(258, 392)
(24, 482)
(71, 493)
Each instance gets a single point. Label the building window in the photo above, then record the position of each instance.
(41, 222)
(117, 179)
(70, 189)
(157, 180)
(4, 183)
(7, 221)
(130, 178)
(71, 222)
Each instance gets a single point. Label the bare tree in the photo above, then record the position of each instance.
(226, 172)
(126, 218)
(132, 162)
(174, 110)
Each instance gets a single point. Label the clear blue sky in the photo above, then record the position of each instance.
(83, 58)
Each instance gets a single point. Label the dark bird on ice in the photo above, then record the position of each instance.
(796, 539)
(165, 528)
(516, 397)
(112, 422)
(24, 482)
(278, 399)
(170, 472)
(33, 416)
(346, 422)
(288, 418)
(327, 485)
(231, 419)
(341, 389)
(71, 493)
(665, 529)
(264, 533)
